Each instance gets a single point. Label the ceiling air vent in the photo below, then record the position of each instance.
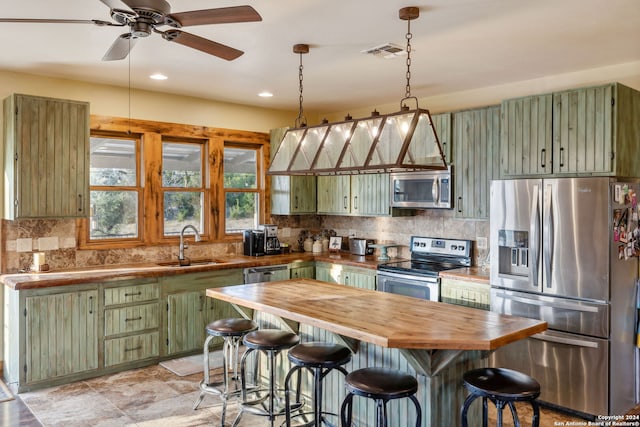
(387, 51)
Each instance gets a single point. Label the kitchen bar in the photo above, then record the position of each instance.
(439, 342)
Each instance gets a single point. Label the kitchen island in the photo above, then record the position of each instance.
(437, 342)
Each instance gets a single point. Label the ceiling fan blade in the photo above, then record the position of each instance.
(120, 47)
(117, 5)
(202, 44)
(222, 15)
(50, 21)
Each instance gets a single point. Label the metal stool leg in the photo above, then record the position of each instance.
(465, 408)
(346, 411)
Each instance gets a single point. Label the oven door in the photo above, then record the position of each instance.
(409, 285)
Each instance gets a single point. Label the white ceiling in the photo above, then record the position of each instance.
(457, 45)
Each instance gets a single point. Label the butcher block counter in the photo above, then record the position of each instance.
(436, 342)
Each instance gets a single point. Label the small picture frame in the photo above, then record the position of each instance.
(335, 243)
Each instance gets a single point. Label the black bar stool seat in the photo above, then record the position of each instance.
(320, 358)
(382, 385)
(270, 342)
(231, 330)
(503, 387)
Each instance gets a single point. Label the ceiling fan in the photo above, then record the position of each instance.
(145, 16)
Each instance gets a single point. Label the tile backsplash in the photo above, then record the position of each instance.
(57, 238)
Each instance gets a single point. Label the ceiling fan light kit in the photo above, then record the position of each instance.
(144, 17)
(401, 141)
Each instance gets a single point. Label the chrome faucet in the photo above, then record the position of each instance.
(183, 245)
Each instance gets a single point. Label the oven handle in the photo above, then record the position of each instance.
(561, 340)
(408, 277)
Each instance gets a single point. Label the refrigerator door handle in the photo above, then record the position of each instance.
(548, 230)
(556, 304)
(534, 231)
(562, 340)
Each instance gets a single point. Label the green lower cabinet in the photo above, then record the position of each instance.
(302, 270)
(61, 335)
(188, 314)
(131, 348)
(359, 278)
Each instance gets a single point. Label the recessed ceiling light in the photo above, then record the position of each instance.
(158, 76)
(265, 94)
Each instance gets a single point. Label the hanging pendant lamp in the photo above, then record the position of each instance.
(401, 141)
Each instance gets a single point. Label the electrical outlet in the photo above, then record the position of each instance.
(482, 242)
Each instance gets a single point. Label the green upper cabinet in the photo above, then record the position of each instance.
(587, 131)
(291, 195)
(334, 194)
(442, 125)
(476, 137)
(46, 157)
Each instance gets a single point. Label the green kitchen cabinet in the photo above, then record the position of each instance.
(465, 292)
(189, 310)
(334, 195)
(586, 131)
(46, 158)
(346, 275)
(131, 321)
(476, 136)
(302, 270)
(51, 336)
(290, 195)
(442, 125)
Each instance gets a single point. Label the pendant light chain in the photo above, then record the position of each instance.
(409, 36)
(301, 120)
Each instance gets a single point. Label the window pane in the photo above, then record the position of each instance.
(240, 168)
(241, 211)
(181, 165)
(114, 214)
(113, 162)
(180, 209)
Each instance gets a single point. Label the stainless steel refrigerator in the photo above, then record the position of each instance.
(562, 250)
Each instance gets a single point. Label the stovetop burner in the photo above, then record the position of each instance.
(430, 256)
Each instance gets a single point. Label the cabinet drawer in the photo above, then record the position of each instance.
(129, 294)
(131, 319)
(129, 349)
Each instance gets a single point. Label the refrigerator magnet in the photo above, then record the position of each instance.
(617, 193)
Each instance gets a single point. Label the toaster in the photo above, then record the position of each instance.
(360, 246)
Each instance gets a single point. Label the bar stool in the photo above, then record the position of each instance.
(231, 330)
(319, 358)
(503, 387)
(270, 342)
(381, 385)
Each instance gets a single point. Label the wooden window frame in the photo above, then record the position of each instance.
(152, 134)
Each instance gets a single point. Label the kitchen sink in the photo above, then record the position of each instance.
(188, 263)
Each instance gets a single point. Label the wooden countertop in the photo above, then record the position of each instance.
(21, 281)
(471, 274)
(384, 319)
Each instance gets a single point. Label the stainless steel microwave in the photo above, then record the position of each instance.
(423, 189)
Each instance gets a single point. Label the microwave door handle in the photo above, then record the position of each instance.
(435, 190)
(568, 341)
(534, 231)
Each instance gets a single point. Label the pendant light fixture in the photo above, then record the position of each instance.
(401, 141)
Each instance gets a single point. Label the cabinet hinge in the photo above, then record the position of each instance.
(25, 312)
(167, 341)
(25, 368)
(16, 157)
(613, 102)
(613, 155)
(167, 306)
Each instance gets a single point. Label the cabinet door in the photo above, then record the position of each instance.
(526, 138)
(326, 272)
(307, 272)
(370, 194)
(187, 319)
(334, 194)
(61, 334)
(50, 149)
(303, 194)
(442, 125)
(476, 139)
(582, 130)
(359, 279)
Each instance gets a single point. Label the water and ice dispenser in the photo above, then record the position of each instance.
(513, 247)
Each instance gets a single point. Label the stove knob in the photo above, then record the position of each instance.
(461, 247)
(454, 247)
(423, 244)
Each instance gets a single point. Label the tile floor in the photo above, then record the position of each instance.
(146, 397)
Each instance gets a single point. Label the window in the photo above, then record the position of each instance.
(182, 186)
(114, 182)
(241, 189)
(150, 179)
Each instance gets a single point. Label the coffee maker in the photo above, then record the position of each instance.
(253, 242)
(271, 242)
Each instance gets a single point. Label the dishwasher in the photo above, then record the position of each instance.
(266, 274)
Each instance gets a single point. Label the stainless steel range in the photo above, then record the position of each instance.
(419, 277)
